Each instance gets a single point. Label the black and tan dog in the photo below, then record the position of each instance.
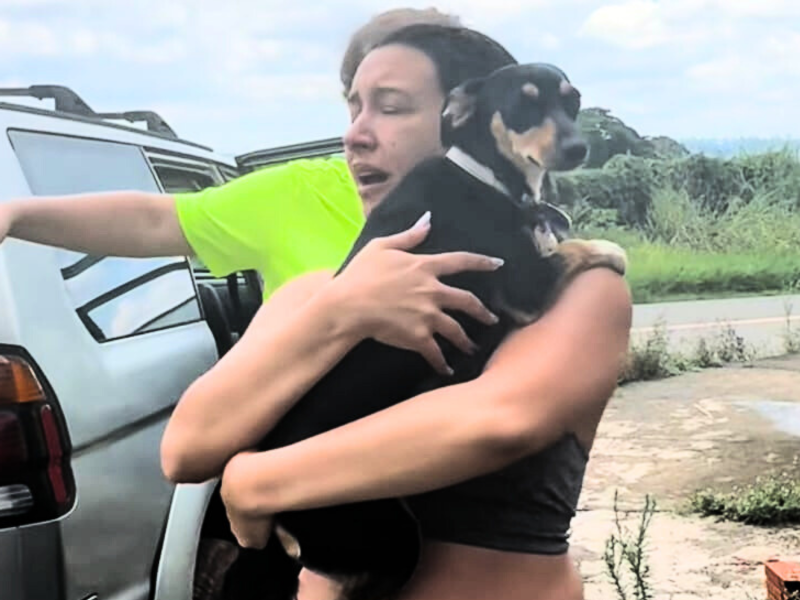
(503, 133)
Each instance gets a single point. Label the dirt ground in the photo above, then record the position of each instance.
(712, 429)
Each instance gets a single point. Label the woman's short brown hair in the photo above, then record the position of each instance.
(379, 27)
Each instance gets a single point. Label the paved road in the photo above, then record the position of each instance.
(762, 321)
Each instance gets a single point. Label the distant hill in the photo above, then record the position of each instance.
(609, 136)
(728, 147)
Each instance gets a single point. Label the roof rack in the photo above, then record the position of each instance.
(154, 121)
(67, 101)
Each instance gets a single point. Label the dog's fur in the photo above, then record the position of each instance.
(517, 123)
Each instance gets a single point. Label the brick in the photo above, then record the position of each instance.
(783, 578)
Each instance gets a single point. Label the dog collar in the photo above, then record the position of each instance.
(483, 173)
(479, 171)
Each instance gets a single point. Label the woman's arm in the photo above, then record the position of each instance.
(291, 342)
(540, 383)
(130, 223)
(301, 333)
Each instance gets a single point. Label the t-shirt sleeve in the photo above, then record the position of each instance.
(230, 227)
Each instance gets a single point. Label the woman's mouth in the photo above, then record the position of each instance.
(370, 181)
(371, 177)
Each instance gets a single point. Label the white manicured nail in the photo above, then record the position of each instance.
(424, 220)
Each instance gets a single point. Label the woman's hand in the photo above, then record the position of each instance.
(251, 529)
(397, 298)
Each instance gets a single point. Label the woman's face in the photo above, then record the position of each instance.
(395, 107)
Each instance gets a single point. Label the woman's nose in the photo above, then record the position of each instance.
(359, 134)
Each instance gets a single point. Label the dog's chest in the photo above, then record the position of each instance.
(467, 214)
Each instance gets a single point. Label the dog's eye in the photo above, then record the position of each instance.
(572, 104)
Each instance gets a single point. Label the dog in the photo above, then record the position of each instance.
(503, 132)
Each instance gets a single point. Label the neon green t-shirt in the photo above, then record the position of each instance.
(283, 221)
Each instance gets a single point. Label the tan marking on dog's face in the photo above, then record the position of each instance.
(565, 88)
(537, 143)
(529, 89)
(519, 147)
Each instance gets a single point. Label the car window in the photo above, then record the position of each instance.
(113, 297)
(181, 175)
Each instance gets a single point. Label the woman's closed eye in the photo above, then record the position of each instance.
(390, 101)
(393, 109)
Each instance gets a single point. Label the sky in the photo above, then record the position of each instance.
(256, 74)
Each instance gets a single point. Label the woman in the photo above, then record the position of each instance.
(531, 416)
(231, 227)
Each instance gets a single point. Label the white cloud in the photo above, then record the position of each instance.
(784, 47)
(641, 24)
(636, 24)
(267, 69)
(289, 88)
(160, 52)
(27, 38)
(44, 3)
(765, 64)
(23, 38)
(549, 41)
(473, 13)
(780, 9)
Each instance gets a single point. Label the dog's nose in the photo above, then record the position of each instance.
(575, 151)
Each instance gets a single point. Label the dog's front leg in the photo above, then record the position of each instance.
(582, 255)
(532, 287)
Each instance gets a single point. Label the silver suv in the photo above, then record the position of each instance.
(94, 353)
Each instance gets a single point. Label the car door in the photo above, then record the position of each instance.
(119, 340)
(175, 569)
(272, 156)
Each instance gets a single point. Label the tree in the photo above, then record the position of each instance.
(609, 136)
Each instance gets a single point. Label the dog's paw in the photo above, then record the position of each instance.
(613, 253)
(580, 255)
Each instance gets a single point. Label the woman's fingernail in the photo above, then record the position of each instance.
(424, 220)
(450, 371)
(498, 262)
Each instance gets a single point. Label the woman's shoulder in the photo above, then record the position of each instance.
(599, 290)
(596, 303)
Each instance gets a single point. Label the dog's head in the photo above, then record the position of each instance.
(519, 121)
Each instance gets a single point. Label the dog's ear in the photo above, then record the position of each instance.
(559, 221)
(461, 102)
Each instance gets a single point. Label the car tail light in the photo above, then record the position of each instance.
(36, 482)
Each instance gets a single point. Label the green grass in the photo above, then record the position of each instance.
(773, 500)
(686, 252)
(658, 272)
(652, 357)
